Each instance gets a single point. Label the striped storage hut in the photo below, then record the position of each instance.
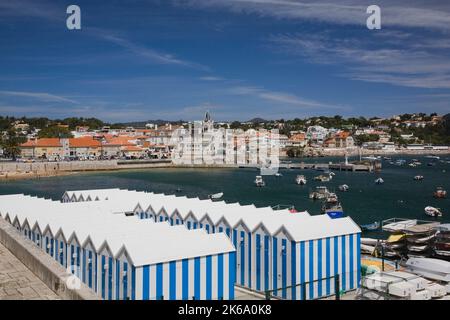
(270, 244)
(122, 257)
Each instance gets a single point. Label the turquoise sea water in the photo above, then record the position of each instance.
(399, 196)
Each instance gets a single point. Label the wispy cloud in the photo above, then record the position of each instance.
(402, 63)
(404, 13)
(148, 53)
(280, 97)
(41, 96)
(211, 78)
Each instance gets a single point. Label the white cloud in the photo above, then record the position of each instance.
(402, 63)
(280, 97)
(42, 96)
(404, 13)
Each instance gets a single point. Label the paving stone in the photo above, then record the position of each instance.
(17, 282)
(28, 292)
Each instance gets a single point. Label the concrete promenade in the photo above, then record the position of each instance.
(17, 282)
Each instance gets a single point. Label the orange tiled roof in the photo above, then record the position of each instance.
(298, 137)
(343, 135)
(44, 142)
(132, 148)
(120, 141)
(84, 142)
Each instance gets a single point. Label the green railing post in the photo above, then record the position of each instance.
(337, 287)
(303, 291)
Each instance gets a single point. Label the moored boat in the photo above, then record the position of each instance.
(343, 187)
(259, 182)
(300, 180)
(321, 192)
(371, 226)
(440, 193)
(418, 178)
(332, 207)
(379, 181)
(216, 196)
(433, 212)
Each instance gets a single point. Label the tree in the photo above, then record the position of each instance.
(55, 132)
(366, 138)
(10, 144)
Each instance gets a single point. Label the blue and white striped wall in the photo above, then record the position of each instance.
(264, 262)
(202, 278)
(315, 263)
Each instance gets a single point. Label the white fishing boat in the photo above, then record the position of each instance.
(433, 157)
(435, 269)
(433, 212)
(379, 181)
(259, 182)
(418, 178)
(399, 225)
(216, 196)
(343, 187)
(300, 180)
(321, 192)
(278, 175)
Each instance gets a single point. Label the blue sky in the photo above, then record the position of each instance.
(240, 59)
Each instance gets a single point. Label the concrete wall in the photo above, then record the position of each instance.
(63, 166)
(42, 265)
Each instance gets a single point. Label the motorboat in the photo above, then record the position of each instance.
(321, 192)
(216, 196)
(332, 207)
(379, 181)
(435, 269)
(418, 178)
(259, 182)
(300, 180)
(278, 175)
(371, 226)
(400, 162)
(343, 187)
(433, 157)
(440, 193)
(433, 212)
(323, 178)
